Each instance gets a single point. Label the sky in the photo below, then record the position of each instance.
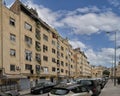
(88, 24)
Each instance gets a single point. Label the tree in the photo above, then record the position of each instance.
(106, 73)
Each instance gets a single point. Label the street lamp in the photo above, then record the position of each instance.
(115, 48)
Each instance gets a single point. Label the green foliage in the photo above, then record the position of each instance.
(106, 73)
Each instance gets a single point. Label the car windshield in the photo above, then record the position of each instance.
(40, 84)
(86, 82)
(58, 91)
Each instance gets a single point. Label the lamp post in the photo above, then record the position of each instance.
(115, 48)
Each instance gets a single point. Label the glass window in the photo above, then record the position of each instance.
(12, 52)
(62, 63)
(45, 58)
(38, 57)
(59, 91)
(53, 42)
(12, 67)
(53, 69)
(28, 40)
(37, 34)
(28, 55)
(45, 69)
(62, 70)
(12, 21)
(45, 37)
(37, 67)
(28, 26)
(28, 67)
(45, 48)
(37, 44)
(53, 60)
(12, 37)
(53, 51)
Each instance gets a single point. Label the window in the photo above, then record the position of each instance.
(62, 70)
(66, 64)
(37, 68)
(62, 63)
(53, 42)
(71, 66)
(12, 67)
(28, 67)
(12, 37)
(37, 44)
(45, 69)
(53, 60)
(37, 34)
(45, 58)
(28, 26)
(66, 71)
(38, 57)
(28, 55)
(53, 50)
(12, 52)
(45, 48)
(53, 69)
(45, 37)
(12, 21)
(28, 40)
(62, 55)
(62, 48)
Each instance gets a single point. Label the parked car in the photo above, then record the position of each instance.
(3, 94)
(91, 84)
(42, 87)
(13, 93)
(69, 90)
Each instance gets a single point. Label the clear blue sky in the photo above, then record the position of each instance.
(85, 23)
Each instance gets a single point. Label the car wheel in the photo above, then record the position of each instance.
(9, 95)
(41, 91)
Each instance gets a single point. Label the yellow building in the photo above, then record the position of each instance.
(31, 50)
(97, 71)
(117, 71)
(83, 68)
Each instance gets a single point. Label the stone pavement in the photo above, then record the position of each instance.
(23, 92)
(110, 89)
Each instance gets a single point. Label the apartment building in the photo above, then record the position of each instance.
(83, 67)
(117, 71)
(97, 71)
(32, 50)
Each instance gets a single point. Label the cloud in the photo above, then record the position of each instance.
(102, 57)
(77, 44)
(45, 14)
(87, 20)
(115, 3)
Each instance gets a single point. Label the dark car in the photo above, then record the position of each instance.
(69, 90)
(91, 84)
(42, 87)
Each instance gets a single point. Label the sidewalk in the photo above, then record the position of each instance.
(110, 89)
(23, 92)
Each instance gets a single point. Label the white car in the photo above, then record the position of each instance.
(70, 90)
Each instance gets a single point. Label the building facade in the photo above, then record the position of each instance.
(30, 49)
